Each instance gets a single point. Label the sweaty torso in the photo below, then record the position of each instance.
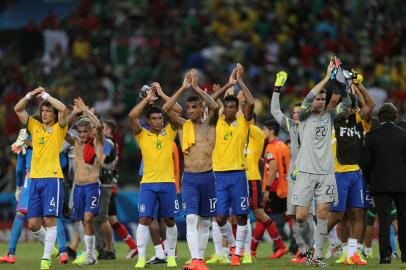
(199, 157)
(85, 173)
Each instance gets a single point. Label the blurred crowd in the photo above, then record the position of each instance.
(106, 50)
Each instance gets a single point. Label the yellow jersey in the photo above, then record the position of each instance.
(254, 152)
(157, 151)
(231, 141)
(46, 146)
(347, 168)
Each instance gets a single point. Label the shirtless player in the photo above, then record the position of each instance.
(88, 159)
(197, 136)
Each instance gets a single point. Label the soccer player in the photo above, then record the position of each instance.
(88, 149)
(348, 139)
(315, 164)
(291, 125)
(229, 165)
(198, 137)
(46, 191)
(158, 182)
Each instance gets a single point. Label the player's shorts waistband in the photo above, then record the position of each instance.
(88, 184)
(198, 173)
(46, 178)
(229, 172)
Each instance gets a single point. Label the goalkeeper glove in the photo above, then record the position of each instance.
(281, 78)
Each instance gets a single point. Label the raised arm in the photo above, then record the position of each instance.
(206, 98)
(136, 112)
(248, 108)
(160, 93)
(231, 82)
(19, 108)
(170, 103)
(306, 107)
(93, 119)
(369, 105)
(62, 110)
(276, 112)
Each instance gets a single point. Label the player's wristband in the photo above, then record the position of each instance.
(28, 96)
(44, 96)
(277, 89)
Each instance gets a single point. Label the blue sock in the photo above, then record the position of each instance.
(15, 233)
(392, 239)
(60, 235)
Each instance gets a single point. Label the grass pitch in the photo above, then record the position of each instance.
(29, 254)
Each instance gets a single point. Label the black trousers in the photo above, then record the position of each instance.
(383, 202)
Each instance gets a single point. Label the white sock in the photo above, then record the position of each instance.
(50, 238)
(171, 238)
(241, 236)
(89, 244)
(227, 233)
(165, 246)
(40, 235)
(142, 240)
(352, 247)
(320, 238)
(192, 222)
(247, 245)
(345, 247)
(368, 250)
(225, 251)
(217, 239)
(159, 252)
(333, 237)
(360, 248)
(203, 235)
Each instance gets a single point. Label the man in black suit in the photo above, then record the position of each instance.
(384, 167)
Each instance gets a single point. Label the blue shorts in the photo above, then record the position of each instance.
(156, 209)
(351, 191)
(161, 195)
(22, 204)
(232, 193)
(46, 197)
(199, 194)
(369, 200)
(86, 199)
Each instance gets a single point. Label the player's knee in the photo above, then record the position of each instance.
(112, 220)
(221, 220)
(100, 219)
(87, 221)
(34, 226)
(259, 214)
(169, 222)
(301, 218)
(322, 212)
(242, 220)
(356, 214)
(49, 222)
